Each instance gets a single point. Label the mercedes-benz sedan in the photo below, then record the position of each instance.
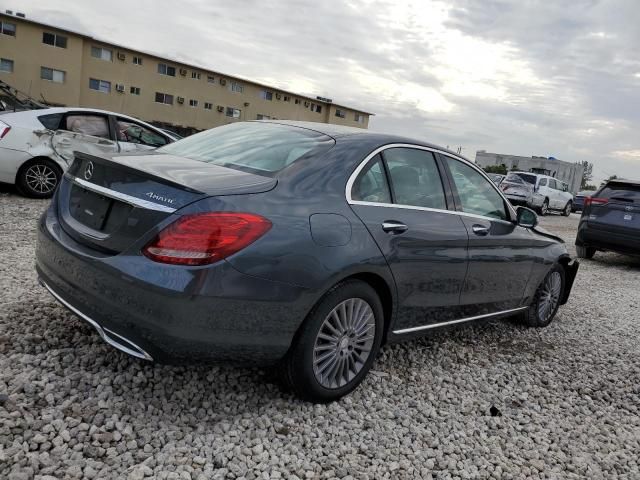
(303, 245)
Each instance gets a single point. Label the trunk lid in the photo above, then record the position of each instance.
(109, 203)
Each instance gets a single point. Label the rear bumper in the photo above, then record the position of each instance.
(607, 240)
(167, 313)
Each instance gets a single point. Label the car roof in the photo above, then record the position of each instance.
(340, 131)
(623, 180)
(52, 110)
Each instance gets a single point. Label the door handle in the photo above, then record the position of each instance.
(391, 226)
(480, 230)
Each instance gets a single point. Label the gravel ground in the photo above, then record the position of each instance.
(494, 401)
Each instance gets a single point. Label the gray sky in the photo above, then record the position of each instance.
(558, 78)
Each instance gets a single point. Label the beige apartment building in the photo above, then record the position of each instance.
(71, 69)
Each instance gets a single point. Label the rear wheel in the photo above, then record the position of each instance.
(39, 178)
(567, 209)
(337, 344)
(546, 301)
(585, 252)
(544, 209)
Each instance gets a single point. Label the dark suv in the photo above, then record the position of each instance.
(611, 220)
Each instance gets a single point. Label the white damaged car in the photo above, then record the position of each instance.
(36, 146)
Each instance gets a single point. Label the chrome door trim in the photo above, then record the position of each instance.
(136, 202)
(453, 322)
(356, 172)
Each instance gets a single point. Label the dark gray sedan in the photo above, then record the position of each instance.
(303, 245)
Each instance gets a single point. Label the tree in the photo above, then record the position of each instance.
(587, 174)
(501, 169)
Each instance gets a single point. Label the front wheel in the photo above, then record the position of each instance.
(39, 178)
(567, 209)
(337, 343)
(585, 252)
(547, 299)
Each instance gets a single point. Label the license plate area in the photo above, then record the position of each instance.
(89, 208)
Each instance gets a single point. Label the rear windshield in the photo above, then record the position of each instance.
(621, 192)
(255, 147)
(513, 178)
(524, 176)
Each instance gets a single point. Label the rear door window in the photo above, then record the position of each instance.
(543, 182)
(371, 184)
(415, 179)
(51, 121)
(620, 192)
(87, 124)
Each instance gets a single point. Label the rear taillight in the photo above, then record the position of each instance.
(204, 238)
(4, 129)
(595, 201)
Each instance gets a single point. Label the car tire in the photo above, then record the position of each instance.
(328, 357)
(585, 252)
(39, 178)
(568, 209)
(546, 300)
(544, 208)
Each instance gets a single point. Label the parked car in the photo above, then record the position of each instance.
(578, 200)
(611, 220)
(496, 177)
(548, 193)
(517, 190)
(36, 146)
(303, 244)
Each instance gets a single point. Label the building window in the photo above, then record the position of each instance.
(297, 101)
(233, 112)
(236, 87)
(134, 90)
(54, 39)
(195, 75)
(358, 117)
(164, 98)
(265, 95)
(208, 106)
(6, 65)
(8, 28)
(137, 60)
(340, 113)
(164, 69)
(100, 85)
(52, 74)
(263, 117)
(287, 98)
(193, 103)
(211, 79)
(316, 108)
(102, 53)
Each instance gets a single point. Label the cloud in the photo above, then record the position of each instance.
(528, 78)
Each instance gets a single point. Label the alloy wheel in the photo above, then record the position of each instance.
(41, 178)
(550, 296)
(567, 209)
(545, 208)
(344, 343)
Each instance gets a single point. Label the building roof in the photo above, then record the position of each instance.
(179, 62)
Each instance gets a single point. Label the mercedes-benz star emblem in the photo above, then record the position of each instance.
(88, 171)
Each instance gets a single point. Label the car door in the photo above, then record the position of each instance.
(500, 252)
(400, 197)
(133, 136)
(83, 131)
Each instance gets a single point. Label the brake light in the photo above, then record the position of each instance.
(204, 238)
(4, 129)
(595, 201)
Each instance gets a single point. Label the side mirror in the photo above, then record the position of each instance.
(525, 217)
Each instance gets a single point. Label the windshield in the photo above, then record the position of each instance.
(524, 176)
(256, 147)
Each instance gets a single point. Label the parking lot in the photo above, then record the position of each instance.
(491, 401)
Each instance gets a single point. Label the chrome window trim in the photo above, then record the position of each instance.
(453, 322)
(378, 150)
(136, 202)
